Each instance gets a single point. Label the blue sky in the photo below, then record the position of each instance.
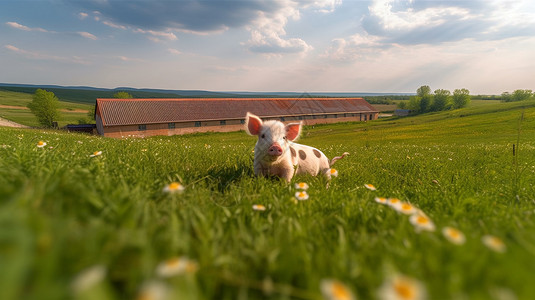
(386, 46)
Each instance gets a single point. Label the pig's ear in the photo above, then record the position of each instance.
(253, 124)
(292, 131)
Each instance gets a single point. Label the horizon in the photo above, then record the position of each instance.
(325, 46)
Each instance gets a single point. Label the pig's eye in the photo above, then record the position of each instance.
(284, 137)
(263, 136)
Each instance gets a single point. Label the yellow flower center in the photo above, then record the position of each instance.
(301, 184)
(404, 290)
(406, 206)
(333, 171)
(454, 233)
(174, 186)
(496, 241)
(41, 143)
(95, 153)
(302, 195)
(422, 220)
(173, 262)
(340, 291)
(394, 200)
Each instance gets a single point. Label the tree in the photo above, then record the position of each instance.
(414, 104)
(423, 91)
(521, 95)
(441, 100)
(122, 95)
(461, 98)
(45, 106)
(91, 112)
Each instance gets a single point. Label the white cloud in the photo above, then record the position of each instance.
(25, 28)
(158, 35)
(111, 24)
(87, 35)
(174, 51)
(42, 56)
(82, 15)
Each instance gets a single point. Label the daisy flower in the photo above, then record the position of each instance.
(259, 207)
(153, 290)
(381, 200)
(494, 243)
(453, 235)
(41, 144)
(402, 288)
(333, 172)
(88, 278)
(422, 222)
(301, 186)
(174, 187)
(394, 203)
(96, 153)
(335, 290)
(301, 195)
(406, 208)
(370, 187)
(176, 266)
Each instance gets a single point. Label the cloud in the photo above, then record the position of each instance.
(158, 35)
(111, 24)
(87, 35)
(25, 28)
(431, 22)
(174, 51)
(82, 15)
(265, 20)
(42, 56)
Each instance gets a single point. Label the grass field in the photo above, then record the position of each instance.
(75, 226)
(71, 112)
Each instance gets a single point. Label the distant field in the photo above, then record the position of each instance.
(70, 112)
(74, 226)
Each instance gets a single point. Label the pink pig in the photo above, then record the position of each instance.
(276, 154)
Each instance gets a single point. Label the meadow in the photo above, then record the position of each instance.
(13, 107)
(86, 217)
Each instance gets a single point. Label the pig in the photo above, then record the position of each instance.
(275, 153)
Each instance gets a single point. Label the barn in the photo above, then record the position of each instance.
(148, 117)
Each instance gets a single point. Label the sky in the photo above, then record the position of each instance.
(383, 46)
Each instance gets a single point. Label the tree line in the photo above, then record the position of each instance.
(439, 100)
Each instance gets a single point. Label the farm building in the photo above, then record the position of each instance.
(148, 117)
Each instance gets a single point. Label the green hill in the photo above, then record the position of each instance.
(102, 227)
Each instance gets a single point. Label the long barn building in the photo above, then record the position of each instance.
(148, 117)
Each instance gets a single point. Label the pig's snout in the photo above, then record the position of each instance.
(275, 150)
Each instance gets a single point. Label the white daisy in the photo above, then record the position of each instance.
(370, 187)
(400, 287)
(422, 222)
(301, 186)
(176, 266)
(453, 235)
(174, 187)
(494, 243)
(96, 153)
(335, 290)
(301, 195)
(259, 207)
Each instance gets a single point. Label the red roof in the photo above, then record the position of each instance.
(148, 111)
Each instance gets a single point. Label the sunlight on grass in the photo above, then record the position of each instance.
(449, 210)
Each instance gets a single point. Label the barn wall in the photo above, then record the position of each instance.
(229, 125)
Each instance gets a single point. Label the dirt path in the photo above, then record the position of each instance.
(7, 123)
(62, 110)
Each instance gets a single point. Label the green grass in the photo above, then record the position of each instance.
(70, 110)
(62, 211)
